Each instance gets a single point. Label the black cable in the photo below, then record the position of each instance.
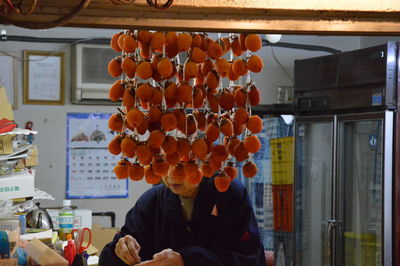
(302, 46)
(109, 213)
(154, 4)
(17, 38)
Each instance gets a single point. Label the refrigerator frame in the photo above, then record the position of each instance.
(387, 118)
(387, 167)
(308, 120)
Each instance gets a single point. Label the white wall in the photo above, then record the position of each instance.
(50, 121)
(272, 74)
(368, 41)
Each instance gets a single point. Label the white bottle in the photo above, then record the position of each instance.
(66, 219)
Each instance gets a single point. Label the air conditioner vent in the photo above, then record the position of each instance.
(90, 78)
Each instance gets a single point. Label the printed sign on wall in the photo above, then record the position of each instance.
(89, 163)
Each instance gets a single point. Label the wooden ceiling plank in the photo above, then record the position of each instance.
(267, 15)
(102, 14)
(282, 26)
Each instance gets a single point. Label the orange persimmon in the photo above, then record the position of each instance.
(136, 172)
(239, 67)
(253, 42)
(114, 146)
(250, 169)
(134, 117)
(255, 64)
(144, 91)
(129, 44)
(184, 42)
(241, 115)
(222, 182)
(114, 42)
(121, 169)
(128, 147)
(226, 127)
(160, 166)
(254, 95)
(252, 144)
(150, 176)
(116, 91)
(254, 124)
(144, 70)
(208, 171)
(168, 121)
(170, 145)
(156, 138)
(114, 67)
(115, 122)
(212, 132)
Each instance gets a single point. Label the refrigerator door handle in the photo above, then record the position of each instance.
(328, 247)
(329, 241)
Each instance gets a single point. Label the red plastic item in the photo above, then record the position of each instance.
(6, 125)
(70, 250)
(283, 207)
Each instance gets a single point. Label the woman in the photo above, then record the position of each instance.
(178, 223)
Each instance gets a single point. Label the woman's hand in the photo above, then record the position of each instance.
(167, 257)
(127, 249)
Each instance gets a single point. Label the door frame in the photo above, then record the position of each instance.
(308, 120)
(387, 190)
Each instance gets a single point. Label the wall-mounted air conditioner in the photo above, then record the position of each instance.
(90, 78)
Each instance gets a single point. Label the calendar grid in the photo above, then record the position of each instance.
(89, 164)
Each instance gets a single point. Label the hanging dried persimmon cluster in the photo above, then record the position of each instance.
(179, 115)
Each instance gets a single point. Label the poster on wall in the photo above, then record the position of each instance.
(89, 163)
(7, 78)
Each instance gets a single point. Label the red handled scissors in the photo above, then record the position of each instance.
(80, 237)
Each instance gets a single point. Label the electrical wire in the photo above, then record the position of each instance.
(302, 46)
(11, 8)
(30, 10)
(164, 6)
(51, 54)
(120, 2)
(46, 25)
(281, 66)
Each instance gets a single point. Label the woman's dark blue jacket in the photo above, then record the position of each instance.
(223, 229)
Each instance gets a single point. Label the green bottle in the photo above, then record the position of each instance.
(65, 219)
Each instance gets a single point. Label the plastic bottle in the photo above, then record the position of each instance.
(70, 249)
(65, 219)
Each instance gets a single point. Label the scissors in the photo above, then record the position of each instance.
(80, 236)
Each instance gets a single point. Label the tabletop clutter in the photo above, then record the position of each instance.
(47, 237)
(29, 234)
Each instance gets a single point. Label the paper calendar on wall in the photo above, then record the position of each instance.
(89, 163)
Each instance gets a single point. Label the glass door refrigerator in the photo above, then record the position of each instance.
(345, 123)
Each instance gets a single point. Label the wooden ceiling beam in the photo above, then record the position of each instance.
(187, 16)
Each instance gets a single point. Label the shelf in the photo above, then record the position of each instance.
(19, 153)
(19, 131)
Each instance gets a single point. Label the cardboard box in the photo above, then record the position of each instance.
(44, 255)
(83, 217)
(19, 185)
(33, 158)
(6, 111)
(6, 144)
(102, 236)
(9, 262)
(3, 95)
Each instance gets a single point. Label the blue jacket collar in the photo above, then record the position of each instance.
(203, 205)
